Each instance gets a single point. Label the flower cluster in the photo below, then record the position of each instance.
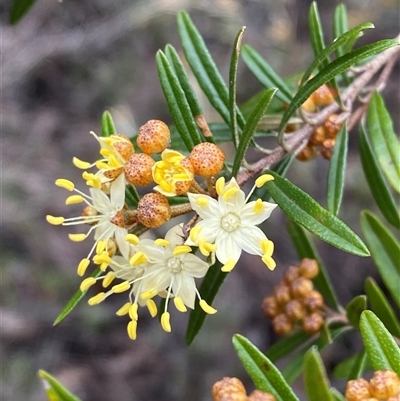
(226, 222)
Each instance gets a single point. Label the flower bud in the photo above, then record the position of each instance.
(306, 154)
(153, 137)
(294, 310)
(331, 127)
(300, 287)
(322, 96)
(327, 148)
(282, 294)
(318, 136)
(258, 395)
(312, 323)
(384, 384)
(309, 105)
(313, 300)
(270, 307)
(229, 389)
(153, 210)
(394, 398)
(123, 145)
(357, 390)
(207, 159)
(138, 169)
(308, 268)
(291, 273)
(282, 324)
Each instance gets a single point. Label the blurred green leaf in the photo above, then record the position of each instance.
(337, 395)
(232, 86)
(209, 288)
(327, 73)
(204, 68)
(177, 102)
(381, 348)
(18, 9)
(354, 309)
(76, 298)
(337, 170)
(265, 73)
(384, 141)
(250, 128)
(107, 124)
(381, 307)
(304, 210)
(262, 371)
(353, 367)
(54, 389)
(132, 197)
(286, 345)
(306, 249)
(316, 382)
(385, 251)
(376, 181)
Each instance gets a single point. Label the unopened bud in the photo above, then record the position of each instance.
(357, 390)
(270, 307)
(331, 126)
(153, 210)
(312, 323)
(282, 294)
(306, 154)
(300, 287)
(384, 384)
(138, 169)
(308, 268)
(258, 395)
(153, 137)
(313, 300)
(322, 96)
(318, 136)
(207, 159)
(123, 145)
(291, 273)
(327, 148)
(294, 310)
(282, 324)
(229, 389)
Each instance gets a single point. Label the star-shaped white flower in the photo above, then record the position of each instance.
(229, 224)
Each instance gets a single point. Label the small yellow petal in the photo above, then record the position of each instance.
(165, 324)
(66, 184)
(81, 164)
(101, 296)
(133, 311)
(132, 239)
(161, 242)
(131, 329)
(263, 179)
(220, 186)
(124, 309)
(152, 307)
(74, 199)
(179, 304)
(207, 308)
(181, 249)
(228, 266)
(87, 283)
(122, 287)
(77, 237)
(56, 221)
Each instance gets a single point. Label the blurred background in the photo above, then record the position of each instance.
(62, 66)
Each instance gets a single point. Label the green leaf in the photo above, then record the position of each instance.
(132, 197)
(305, 211)
(340, 27)
(384, 142)
(376, 182)
(177, 102)
(208, 290)
(385, 251)
(262, 371)
(352, 368)
(337, 170)
(381, 348)
(327, 73)
(265, 73)
(232, 85)
(76, 298)
(18, 9)
(337, 395)
(316, 382)
(204, 68)
(250, 128)
(54, 389)
(381, 306)
(306, 249)
(286, 345)
(354, 309)
(107, 124)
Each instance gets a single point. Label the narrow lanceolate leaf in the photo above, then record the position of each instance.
(337, 170)
(208, 290)
(382, 350)
(385, 251)
(331, 70)
(384, 142)
(381, 306)
(354, 309)
(180, 72)
(263, 372)
(204, 68)
(18, 9)
(132, 197)
(76, 298)
(177, 102)
(314, 372)
(304, 210)
(107, 124)
(54, 389)
(286, 345)
(265, 73)
(337, 395)
(306, 249)
(340, 26)
(376, 182)
(250, 128)
(232, 86)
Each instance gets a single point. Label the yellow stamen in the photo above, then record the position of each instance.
(113, 161)
(105, 152)
(81, 164)
(66, 184)
(87, 283)
(149, 294)
(228, 266)
(131, 329)
(138, 258)
(203, 247)
(179, 304)
(202, 201)
(269, 262)
(152, 307)
(56, 221)
(181, 250)
(102, 165)
(108, 279)
(101, 245)
(267, 246)
(258, 206)
(104, 257)
(230, 192)
(161, 242)
(124, 309)
(207, 308)
(132, 239)
(263, 179)
(122, 287)
(73, 199)
(77, 237)
(220, 186)
(133, 314)
(101, 296)
(83, 265)
(103, 266)
(165, 324)
(210, 247)
(194, 233)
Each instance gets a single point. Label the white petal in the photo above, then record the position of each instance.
(249, 238)
(101, 201)
(209, 211)
(250, 218)
(175, 236)
(210, 229)
(157, 277)
(123, 245)
(104, 229)
(194, 266)
(117, 192)
(185, 288)
(227, 248)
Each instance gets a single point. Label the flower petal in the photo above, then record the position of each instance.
(117, 192)
(227, 248)
(123, 245)
(249, 239)
(184, 287)
(208, 210)
(249, 217)
(194, 266)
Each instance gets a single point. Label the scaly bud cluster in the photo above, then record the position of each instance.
(232, 389)
(295, 302)
(383, 386)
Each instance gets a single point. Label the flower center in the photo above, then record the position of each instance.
(230, 222)
(175, 265)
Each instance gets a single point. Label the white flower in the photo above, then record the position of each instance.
(229, 224)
